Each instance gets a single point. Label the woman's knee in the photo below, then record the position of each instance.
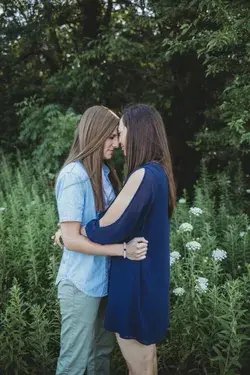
(140, 358)
(145, 362)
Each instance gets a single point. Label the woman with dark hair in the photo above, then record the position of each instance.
(138, 298)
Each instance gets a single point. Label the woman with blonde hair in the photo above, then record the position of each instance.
(86, 185)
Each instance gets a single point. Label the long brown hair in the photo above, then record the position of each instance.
(147, 141)
(95, 126)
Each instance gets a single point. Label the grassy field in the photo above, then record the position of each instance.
(210, 279)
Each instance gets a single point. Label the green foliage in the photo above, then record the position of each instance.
(47, 132)
(30, 319)
(13, 337)
(43, 334)
(216, 33)
(188, 58)
(210, 328)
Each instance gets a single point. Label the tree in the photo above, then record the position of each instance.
(188, 58)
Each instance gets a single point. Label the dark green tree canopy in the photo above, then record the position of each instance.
(188, 58)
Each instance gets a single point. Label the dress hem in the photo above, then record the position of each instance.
(143, 342)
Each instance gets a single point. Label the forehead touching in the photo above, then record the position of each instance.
(121, 125)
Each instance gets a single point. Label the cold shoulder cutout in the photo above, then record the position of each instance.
(121, 203)
(126, 215)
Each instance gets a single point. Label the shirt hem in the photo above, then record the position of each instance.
(83, 290)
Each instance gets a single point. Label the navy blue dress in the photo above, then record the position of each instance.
(138, 302)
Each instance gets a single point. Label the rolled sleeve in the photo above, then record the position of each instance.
(70, 197)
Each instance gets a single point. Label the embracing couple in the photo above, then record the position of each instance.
(116, 242)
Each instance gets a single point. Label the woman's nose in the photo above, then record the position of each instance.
(116, 142)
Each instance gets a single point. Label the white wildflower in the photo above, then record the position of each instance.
(179, 291)
(219, 255)
(196, 211)
(242, 234)
(248, 228)
(193, 245)
(185, 227)
(182, 200)
(248, 191)
(2, 209)
(174, 256)
(201, 284)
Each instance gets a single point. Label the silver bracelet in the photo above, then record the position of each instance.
(124, 250)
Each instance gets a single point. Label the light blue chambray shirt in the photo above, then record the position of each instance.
(75, 202)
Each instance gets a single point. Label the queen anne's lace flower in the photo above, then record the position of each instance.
(196, 211)
(219, 255)
(2, 209)
(248, 228)
(242, 234)
(248, 191)
(185, 227)
(193, 245)
(201, 284)
(179, 291)
(174, 256)
(182, 200)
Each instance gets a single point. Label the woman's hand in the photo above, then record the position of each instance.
(137, 248)
(57, 238)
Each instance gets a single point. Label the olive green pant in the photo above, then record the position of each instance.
(85, 345)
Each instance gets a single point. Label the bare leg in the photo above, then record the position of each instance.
(155, 364)
(141, 359)
(129, 369)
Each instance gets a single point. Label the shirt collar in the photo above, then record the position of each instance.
(106, 169)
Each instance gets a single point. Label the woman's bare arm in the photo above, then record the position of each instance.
(126, 216)
(73, 240)
(123, 199)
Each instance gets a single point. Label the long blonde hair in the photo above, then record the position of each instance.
(95, 126)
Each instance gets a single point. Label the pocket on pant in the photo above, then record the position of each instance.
(74, 301)
(66, 289)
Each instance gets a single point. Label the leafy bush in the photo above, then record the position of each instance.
(47, 132)
(30, 317)
(210, 269)
(209, 332)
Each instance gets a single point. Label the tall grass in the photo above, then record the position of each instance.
(210, 320)
(29, 331)
(210, 276)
